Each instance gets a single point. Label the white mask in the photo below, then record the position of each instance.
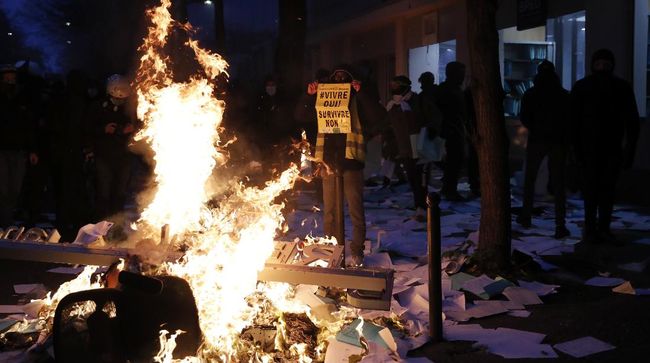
(270, 90)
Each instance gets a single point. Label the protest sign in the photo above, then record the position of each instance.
(332, 101)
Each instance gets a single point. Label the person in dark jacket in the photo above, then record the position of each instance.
(345, 153)
(272, 119)
(18, 145)
(605, 132)
(545, 113)
(404, 120)
(112, 129)
(66, 122)
(452, 104)
(429, 112)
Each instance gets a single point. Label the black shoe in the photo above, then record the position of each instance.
(561, 232)
(524, 221)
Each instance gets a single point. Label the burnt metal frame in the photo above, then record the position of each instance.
(279, 268)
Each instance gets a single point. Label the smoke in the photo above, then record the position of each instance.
(28, 18)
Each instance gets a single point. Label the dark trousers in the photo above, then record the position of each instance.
(455, 148)
(353, 190)
(12, 171)
(34, 187)
(535, 153)
(600, 175)
(73, 208)
(415, 173)
(112, 181)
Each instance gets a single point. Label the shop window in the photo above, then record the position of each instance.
(431, 58)
(523, 51)
(568, 32)
(561, 41)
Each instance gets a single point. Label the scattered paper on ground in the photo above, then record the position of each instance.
(583, 347)
(604, 281)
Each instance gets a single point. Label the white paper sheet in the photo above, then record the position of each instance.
(522, 296)
(487, 308)
(539, 288)
(519, 313)
(604, 281)
(583, 347)
(508, 343)
(26, 288)
(477, 285)
(339, 352)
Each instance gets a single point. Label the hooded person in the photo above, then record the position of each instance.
(112, 127)
(67, 122)
(605, 130)
(452, 102)
(344, 153)
(429, 112)
(545, 113)
(404, 121)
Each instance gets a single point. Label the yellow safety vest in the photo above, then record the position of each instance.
(355, 147)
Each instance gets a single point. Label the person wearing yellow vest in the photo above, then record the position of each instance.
(346, 152)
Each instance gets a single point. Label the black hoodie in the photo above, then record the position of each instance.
(545, 110)
(604, 115)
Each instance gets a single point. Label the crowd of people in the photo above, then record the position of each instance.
(72, 137)
(69, 138)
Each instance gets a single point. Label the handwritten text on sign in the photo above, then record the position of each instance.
(332, 101)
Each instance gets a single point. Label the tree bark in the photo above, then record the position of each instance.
(491, 140)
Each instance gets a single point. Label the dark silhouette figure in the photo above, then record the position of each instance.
(545, 113)
(452, 102)
(112, 128)
(429, 112)
(19, 145)
(404, 120)
(67, 123)
(605, 132)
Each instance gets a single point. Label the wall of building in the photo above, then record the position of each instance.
(385, 31)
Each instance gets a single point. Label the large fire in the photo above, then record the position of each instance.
(226, 246)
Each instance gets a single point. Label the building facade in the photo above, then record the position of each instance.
(412, 36)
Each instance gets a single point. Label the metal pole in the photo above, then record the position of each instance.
(435, 288)
(340, 218)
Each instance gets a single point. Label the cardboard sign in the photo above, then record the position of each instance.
(332, 101)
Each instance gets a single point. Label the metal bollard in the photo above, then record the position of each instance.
(340, 217)
(435, 275)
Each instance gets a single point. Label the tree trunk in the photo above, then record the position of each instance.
(291, 43)
(491, 140)
(219, 26)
